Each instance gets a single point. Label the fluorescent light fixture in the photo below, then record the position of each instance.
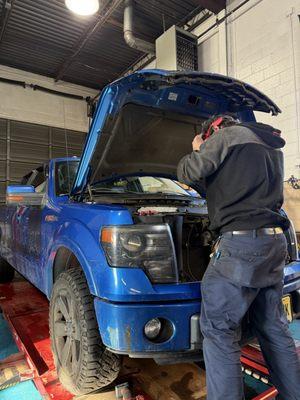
(83, 7)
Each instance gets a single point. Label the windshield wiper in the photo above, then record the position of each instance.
(131, 192)
(169, 193)
(106, 190)
(113, 191)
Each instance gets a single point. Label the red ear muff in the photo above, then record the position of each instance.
(217, 122)
(212, 128)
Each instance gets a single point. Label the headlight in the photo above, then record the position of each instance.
(132, 242)
(149, 247)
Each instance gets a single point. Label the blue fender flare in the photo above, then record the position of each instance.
(75, 237)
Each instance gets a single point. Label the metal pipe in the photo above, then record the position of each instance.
(130, 39)
(5, 15)
(43, 89)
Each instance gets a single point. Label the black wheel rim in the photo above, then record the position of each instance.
(66, 332)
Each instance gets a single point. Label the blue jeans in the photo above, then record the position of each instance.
(246, 275)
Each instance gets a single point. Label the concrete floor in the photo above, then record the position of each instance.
(177, 382)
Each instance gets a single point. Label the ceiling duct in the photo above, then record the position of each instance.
(130, 39)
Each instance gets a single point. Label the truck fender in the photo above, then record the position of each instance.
(75, 237)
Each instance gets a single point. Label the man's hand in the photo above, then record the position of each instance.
(197, 142)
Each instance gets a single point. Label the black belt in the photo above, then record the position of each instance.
(255, 232)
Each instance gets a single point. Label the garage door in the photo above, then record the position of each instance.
(24, 146)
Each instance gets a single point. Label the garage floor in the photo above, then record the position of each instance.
(166, 382)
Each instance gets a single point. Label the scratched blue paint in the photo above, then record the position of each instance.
(117, 328)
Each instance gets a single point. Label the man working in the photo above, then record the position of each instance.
(241, 166)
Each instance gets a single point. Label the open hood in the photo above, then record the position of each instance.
(145, 122)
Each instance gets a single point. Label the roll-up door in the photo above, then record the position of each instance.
(24, 146)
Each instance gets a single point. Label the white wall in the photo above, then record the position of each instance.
(262, 47)
(43, 108)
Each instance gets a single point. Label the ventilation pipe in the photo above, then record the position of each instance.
(130, 39)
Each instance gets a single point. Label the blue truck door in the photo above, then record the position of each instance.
(29, 241)
(17, 244)
(7, 235)
(27, 223)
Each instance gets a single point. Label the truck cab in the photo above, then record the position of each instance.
(114, 241)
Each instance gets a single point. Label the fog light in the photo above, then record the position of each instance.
(152, 328)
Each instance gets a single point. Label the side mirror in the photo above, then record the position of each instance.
(23, 195)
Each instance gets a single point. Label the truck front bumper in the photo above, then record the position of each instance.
(122, 329)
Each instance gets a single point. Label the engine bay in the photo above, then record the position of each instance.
(191, 236)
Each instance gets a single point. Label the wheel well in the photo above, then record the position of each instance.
(64, 260)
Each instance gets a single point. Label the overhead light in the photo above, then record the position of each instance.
(83, 7)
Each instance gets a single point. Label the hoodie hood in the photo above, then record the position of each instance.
(269, 135)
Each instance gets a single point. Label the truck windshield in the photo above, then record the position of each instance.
(140, 185)
(65, 173)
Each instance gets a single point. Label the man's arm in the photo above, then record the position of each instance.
(200, 164)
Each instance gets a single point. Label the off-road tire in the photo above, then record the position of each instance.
(95, 366)
(7, 272)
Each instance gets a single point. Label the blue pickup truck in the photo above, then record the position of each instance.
(117, 245)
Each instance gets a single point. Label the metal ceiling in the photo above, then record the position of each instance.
(44, 37)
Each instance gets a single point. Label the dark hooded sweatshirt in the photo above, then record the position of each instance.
(242, 170)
